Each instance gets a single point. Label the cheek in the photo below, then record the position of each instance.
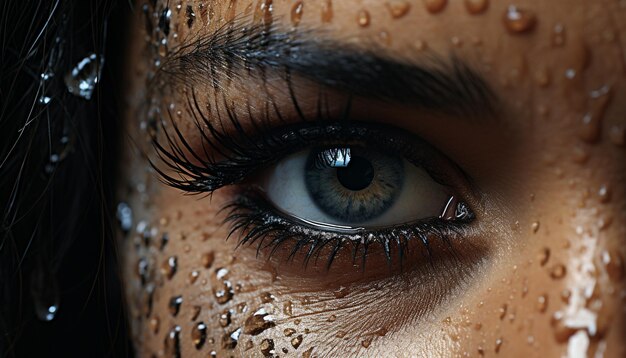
(561, 291)
(190, 294)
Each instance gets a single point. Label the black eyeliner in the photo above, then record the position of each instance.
(253, 219)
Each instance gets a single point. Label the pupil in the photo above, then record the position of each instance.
(358, 175)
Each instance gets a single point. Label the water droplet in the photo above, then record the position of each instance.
(267, 297)
(267, 347)
(224, 293)
(45, 293)
(172, 342)
(475, 7)
(558, 271)
(191, 16)
(604, 194)
(230, 340)
(44, 100)
(296, 341)
(221, 273)
(174, 305)
(169, 267)
(363, 18)
(81, 81)
(264, 11)
(332, 318)
(420, 45)
(47, 75)
(558, 35)
(242, 307)
(198, 335)
(366, 342)
(398, 8)
(289, 332)
(124, 215)
(617, 135)
(193, 276)
(518, 20)
(327, 11)
(456, 41)
(499, 342)
(542, 303)
(307, 353)
(435, 6)
(207, 259)
(592, 120)
(296, 13)
(613, 264)
(258, 322)
(225, 318)
(195, 312)
(142, 270)
(544, 256)
(164, 21)
(288, 308)
(535, 227)
(502, 311)
(155, 324)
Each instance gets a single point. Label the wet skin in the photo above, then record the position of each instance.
(541, 271)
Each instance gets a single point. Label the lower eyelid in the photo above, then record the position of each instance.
(253, 221)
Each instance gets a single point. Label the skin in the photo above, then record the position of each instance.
(551, 216)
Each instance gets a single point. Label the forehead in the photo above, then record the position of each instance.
(534, 35)
(565, 50)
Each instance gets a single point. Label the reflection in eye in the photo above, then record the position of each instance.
(353, 186)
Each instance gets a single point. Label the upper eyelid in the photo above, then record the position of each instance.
(261, 147)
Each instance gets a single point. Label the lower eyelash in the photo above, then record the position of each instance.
(256, 222)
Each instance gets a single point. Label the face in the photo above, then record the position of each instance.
(368, 178)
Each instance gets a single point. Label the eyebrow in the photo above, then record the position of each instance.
(243, 51)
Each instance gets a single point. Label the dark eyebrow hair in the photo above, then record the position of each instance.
(244, 51)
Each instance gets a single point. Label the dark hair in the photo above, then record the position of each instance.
(60, 293)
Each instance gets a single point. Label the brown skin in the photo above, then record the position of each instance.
(538, 167)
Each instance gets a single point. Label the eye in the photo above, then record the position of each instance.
(357, 185)
(353, 186)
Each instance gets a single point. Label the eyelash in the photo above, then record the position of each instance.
(246, 151)
(252, 216)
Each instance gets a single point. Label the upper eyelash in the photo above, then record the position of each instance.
(245, 151)
(255, 220)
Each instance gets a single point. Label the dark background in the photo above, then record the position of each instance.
(57, 226)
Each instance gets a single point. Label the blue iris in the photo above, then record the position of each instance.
(353, 184)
